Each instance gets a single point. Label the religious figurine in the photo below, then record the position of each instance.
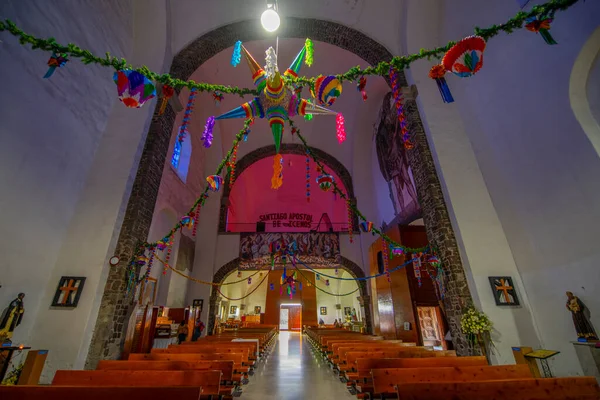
(12, 317)
(354, 317)
(585, 331)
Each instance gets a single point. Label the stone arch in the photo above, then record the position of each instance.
(578, 88)
(286, 148)
(351, 267)
(110, 329)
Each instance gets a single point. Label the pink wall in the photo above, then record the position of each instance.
(251, 196)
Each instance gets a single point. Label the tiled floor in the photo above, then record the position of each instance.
(293, 372)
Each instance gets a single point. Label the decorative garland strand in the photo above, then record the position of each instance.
(341, 193)
(354, 74)
(253, 290)
(314, 283)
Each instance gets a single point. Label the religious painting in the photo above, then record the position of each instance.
(233, 310)
(504, 291)
(198, 303)
(257, 310)
(68, 291)
(323, 310)
(315, 248)
(148, 291)
(347, 311)
(393, 163)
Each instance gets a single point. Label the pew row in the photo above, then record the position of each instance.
(98, 393)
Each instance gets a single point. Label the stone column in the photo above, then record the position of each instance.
(365, 304)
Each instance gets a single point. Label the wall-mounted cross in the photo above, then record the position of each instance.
(504, 288)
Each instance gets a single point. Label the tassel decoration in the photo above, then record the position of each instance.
(362, 83)
(541, 26)
(207, 136)
(350, 228)
(237, 53)
(386, 260)
(55, 61)
(183, 130)
(232, 165)
(341, 130)
(393, 75)
(197, 217)
(417, 267)
(308, 44)
(437, 73)
(167, 92)
(277, 179)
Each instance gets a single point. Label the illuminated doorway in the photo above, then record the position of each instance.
(290, 317)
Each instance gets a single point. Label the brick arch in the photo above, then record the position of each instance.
(351, 267)
(116, 304)
(287, 148)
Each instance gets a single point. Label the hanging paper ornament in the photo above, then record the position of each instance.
(307, 177)
(366, 226)
(187, 115)
(308, 117)
(326, 282)
(141, 260)
(341, 130)
(308, 45)
(465, 58)
(214, 182)
(417, 267)
(167, 93)
(218, 97)
(327, 89)
(350, 221)
(271, 286)
(318, 277)
(299, 285)
(187, 221)
(396, 250)
(56, 61)
(325, 182)
(336, 271)
(434, 260)
(386, 260)
(207, 135)
(541, 26)
(249, 280)
(133, 88)
(237, 53)
(437, 73)
(246, 133)
(277, 179)
(362, 83)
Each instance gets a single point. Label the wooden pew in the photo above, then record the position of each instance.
(576, 388)
(209, 381)
(386, 380)
(98, 393)
(401, 351)
(226, 367)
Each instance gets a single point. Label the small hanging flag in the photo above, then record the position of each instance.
(541, 26)
(437, 72)
(167, 93)
(341, 130)
(396, 250)
(277, 179)
(214, 182)
(362, 83)
(218, 97)
(237, 53)
(366, 226)
(56, 61)
(207, 135)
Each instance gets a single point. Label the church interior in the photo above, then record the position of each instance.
(277, 199)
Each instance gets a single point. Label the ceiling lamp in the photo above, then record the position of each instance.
(270, 19)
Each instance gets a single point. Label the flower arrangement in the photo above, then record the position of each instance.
(478, 327)
(13, 376)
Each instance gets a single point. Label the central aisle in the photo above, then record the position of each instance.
(292, 371)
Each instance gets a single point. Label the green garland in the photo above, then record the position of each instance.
(381, 69)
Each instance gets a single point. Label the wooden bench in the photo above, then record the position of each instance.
(98, 393)
(577, 388)
(387, 351)
(386, 380)
(209, 381)
(226, 367)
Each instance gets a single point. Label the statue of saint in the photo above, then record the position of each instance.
(12, 317)
(582, 325)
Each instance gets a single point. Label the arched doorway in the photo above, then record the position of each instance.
(352, 268)
(109, 332)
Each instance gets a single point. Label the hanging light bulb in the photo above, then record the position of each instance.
(270, 19)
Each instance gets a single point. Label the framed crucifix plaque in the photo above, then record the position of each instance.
(504, 291)
(68, 291)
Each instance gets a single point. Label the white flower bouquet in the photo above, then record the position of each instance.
(478, 327)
